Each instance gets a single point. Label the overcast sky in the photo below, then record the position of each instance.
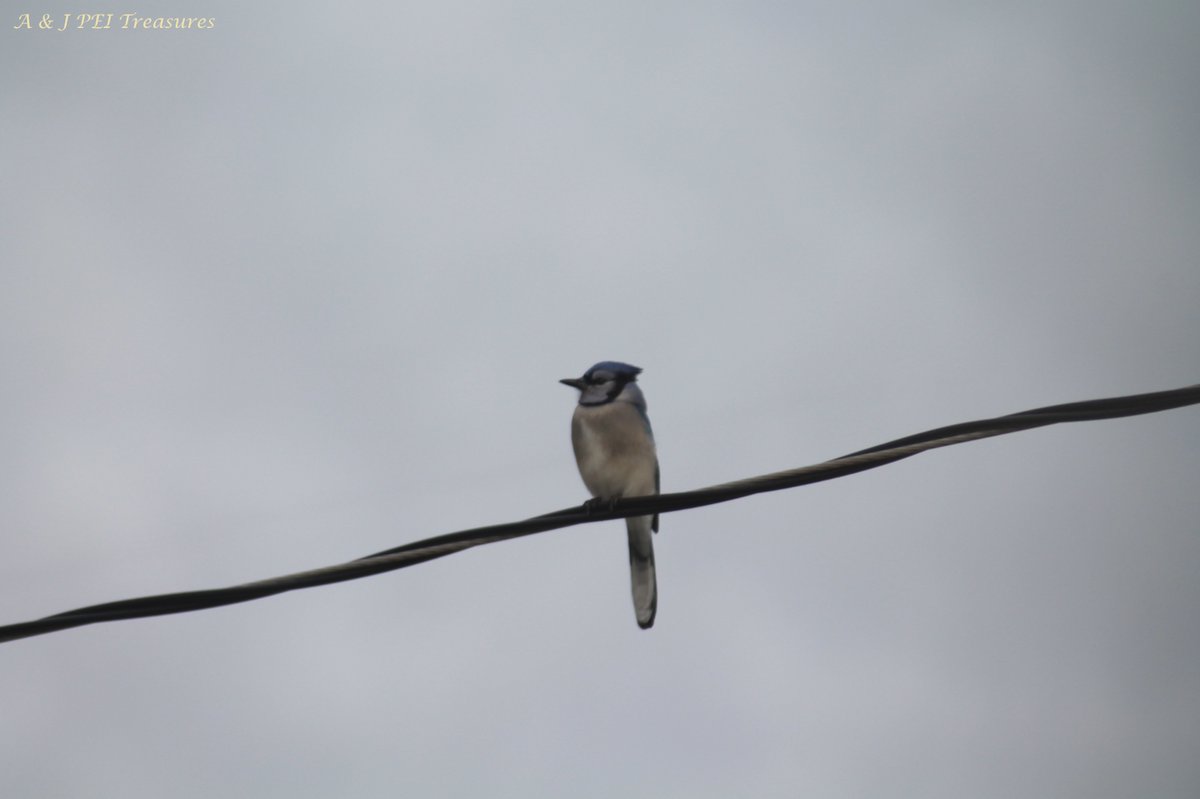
(297, 288)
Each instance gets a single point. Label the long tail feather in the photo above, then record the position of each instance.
(641, 570)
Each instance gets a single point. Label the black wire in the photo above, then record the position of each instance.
(442, 545)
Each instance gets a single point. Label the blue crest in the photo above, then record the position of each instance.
(627, 371)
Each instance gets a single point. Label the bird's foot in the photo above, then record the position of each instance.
(598, 504)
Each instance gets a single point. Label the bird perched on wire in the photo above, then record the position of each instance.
(614, 449)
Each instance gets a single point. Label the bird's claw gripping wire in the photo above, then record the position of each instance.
(599, 504)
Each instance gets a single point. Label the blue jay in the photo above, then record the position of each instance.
(614, 449)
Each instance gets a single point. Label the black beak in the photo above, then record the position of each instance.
(574, 382)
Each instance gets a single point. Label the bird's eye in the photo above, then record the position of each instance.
(600, 378)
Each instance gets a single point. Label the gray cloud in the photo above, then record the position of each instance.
(298, 288)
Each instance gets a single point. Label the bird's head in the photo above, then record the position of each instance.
(603, 382)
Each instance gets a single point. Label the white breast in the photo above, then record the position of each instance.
(614, 450)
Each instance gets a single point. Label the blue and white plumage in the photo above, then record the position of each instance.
(614, 449)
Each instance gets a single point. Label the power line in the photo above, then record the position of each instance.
(442, 545)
